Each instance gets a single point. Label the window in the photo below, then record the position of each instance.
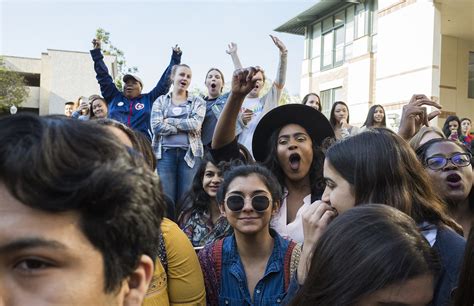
(331, 38)
(31, 79)
(328, 97)
(470, 84)
(360, 20)
(327, 49)
(316, 38)
(339, 46)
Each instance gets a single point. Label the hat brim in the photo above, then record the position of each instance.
(314, 122)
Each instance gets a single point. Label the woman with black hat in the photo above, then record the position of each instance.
(287, 141)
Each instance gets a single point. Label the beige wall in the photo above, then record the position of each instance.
(23, 64)
(64, 76)
(454, 77)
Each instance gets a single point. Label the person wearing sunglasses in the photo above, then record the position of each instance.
(255, 265)
(449, 165)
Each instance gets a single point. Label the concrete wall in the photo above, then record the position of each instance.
(64, 76)
(405, 58)
(454, 77)
(71, 75)
(23, 64)
(408, 55)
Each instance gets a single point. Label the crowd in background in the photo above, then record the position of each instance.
(230, 199)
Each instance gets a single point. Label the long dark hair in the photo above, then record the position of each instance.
(315, 172)
(383, 168)
(446, 129)
(364, 250)
(197, 198)
(369, 121)
(332, 118)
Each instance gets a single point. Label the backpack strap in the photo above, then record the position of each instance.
(292, 258)
(217, 254)
(210, 259)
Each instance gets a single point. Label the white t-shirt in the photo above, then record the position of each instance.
(256, 106)
(293, 230)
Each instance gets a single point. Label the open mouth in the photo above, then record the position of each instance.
(213, 85)
(454, 180)
(295, 160)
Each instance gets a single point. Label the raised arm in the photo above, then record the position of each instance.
(243, 81)
(164, 83)
(281, 72)
(271, 99)
(158, 124)
(194, 121)
(232, 51)
(106, 83)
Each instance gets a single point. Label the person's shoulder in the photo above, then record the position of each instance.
(449, 243)
(168, 227)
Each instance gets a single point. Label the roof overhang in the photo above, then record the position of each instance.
(298, 24)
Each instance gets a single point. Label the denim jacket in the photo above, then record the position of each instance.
(270, 290)
(450, 249)
(213, 112)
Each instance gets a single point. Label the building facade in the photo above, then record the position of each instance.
(56, 78)
(367, 52)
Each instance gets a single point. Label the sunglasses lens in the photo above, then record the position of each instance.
(260, 203)
(235, 203)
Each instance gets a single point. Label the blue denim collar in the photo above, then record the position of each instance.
(232, 257)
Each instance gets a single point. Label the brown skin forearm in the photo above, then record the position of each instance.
(224, 132)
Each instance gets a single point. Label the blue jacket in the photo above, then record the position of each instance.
(450, 249)
(135, 113)
(270, 290)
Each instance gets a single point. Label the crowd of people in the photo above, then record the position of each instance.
(165, 198)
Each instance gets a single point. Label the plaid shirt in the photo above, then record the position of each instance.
(196, 109)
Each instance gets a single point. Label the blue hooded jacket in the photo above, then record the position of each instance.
(134, 113)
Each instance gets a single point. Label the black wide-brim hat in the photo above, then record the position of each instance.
(314, 122)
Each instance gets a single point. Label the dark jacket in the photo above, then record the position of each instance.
(450, 249)
(135, 113)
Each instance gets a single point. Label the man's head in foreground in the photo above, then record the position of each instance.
(79, 215)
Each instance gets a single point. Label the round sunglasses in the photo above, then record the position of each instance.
(236, 202)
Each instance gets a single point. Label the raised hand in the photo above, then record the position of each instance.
(231, 48)
(280, 45)
(177, 49)
(414, 115)
(96, 43)
(244, 80)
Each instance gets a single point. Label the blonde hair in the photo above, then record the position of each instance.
(415, 141)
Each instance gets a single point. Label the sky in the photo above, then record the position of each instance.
(146, 30)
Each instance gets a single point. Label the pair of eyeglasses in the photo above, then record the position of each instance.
(237, 202)
(439, 162)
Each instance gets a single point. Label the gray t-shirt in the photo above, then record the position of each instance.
(179, 140)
